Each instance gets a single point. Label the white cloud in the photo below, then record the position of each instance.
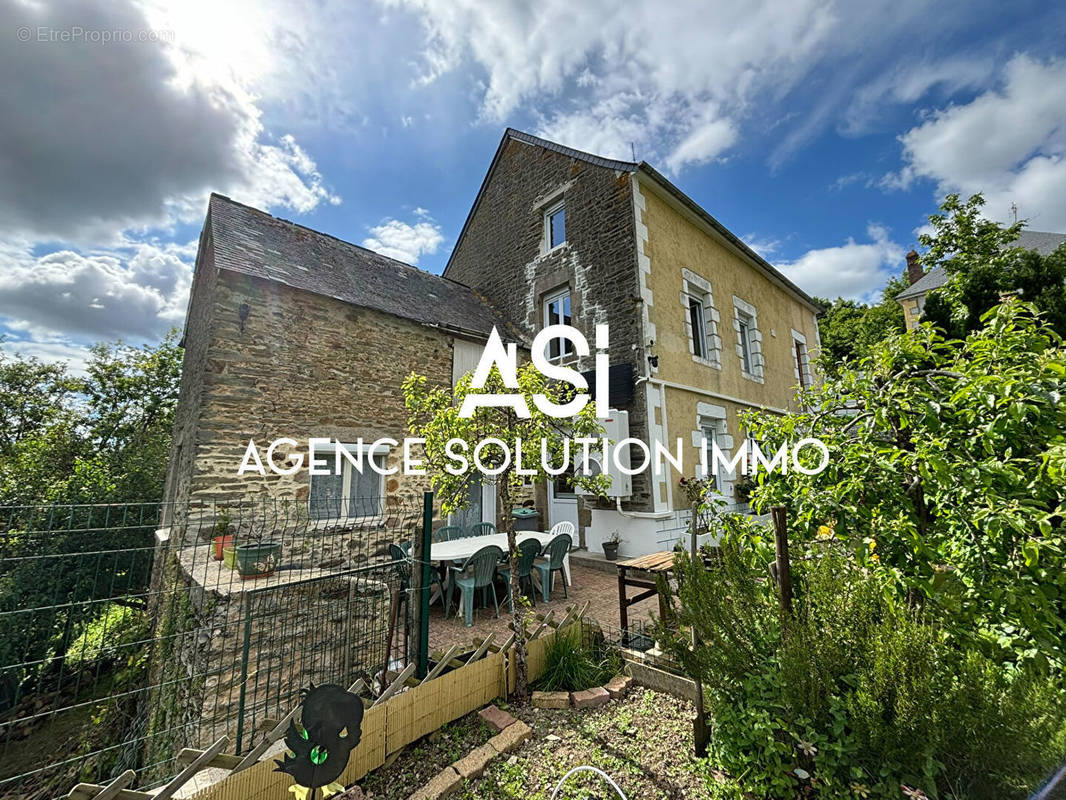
(404, 241)
(909, 82)
(1009, 143)
(672, 79)
(136, 293)
(764, 247)
(75, 356)
(853, 270)
(133, 135)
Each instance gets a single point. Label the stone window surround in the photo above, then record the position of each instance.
(758, 361)
(328, 452)
(802, 370)
(713, 416)
(693, 286)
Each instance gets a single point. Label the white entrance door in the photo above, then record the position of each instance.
(562, 501)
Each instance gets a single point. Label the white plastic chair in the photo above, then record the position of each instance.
(562, 527)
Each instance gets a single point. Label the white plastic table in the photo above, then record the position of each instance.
(461, 549)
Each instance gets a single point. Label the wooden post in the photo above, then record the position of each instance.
(784, 571)
(700, 730)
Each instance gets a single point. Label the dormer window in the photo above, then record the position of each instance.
(555, 225)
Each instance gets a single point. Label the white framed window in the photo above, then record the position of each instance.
(349, 493)
(801, 359)
(744, 329)
(710, 431)
(749, 340)
(555, 225)
(712, 427)
(701, 320)
(557, 312)
(698, 324)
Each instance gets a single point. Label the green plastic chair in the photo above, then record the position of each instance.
(556, 551)
(528, 550)
(482, 529)
(477, 572)
(447, 533)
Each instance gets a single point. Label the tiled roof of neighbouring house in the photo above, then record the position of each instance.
(1044, 242)
(252, 242)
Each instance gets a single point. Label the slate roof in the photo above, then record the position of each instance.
(1044, 242)
(252, 242)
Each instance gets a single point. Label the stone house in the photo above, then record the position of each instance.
(701, 327)
(294, 333)
(291, 332)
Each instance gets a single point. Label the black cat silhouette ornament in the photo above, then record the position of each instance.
(331, 724)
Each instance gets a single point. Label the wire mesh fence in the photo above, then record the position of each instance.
(132, 631)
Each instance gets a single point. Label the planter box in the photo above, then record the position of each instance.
(258, 560)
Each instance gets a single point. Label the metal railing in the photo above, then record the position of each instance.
(128, 632)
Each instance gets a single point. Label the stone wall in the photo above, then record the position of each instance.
(301, 365)
(301, 627)
(500, 256)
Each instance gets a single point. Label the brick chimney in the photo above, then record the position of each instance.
(914, 268)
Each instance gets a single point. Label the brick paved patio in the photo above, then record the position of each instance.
(598, 587)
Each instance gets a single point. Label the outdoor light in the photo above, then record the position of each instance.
(653, 362)
(243, 311)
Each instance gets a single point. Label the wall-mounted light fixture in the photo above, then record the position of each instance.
(243, 310)
(653, 362)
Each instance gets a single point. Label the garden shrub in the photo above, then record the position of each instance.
(571, 665)
(857, 695)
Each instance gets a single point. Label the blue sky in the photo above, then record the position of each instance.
(822, 133)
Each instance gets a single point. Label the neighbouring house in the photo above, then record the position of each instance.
(294, 333)
(922, 283)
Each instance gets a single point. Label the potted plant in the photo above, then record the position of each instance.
(223, 538)
(229, 556)
(610, 546)
(259, 557)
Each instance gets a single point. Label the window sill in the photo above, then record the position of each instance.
(707, 362)
(547, 252)
(753, 378)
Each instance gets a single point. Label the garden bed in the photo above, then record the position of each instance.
(643, 741)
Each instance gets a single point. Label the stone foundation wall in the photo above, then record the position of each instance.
(270, 637)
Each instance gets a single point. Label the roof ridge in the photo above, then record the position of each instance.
(592, 158)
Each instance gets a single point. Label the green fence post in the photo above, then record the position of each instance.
(420, 554)
(244, 669)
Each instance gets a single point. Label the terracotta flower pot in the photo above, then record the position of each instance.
(222, 541)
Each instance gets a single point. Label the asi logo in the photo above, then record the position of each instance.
(505, 359)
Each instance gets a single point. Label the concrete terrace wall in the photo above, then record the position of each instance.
(500, 256)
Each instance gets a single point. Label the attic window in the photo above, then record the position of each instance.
(555, 225)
